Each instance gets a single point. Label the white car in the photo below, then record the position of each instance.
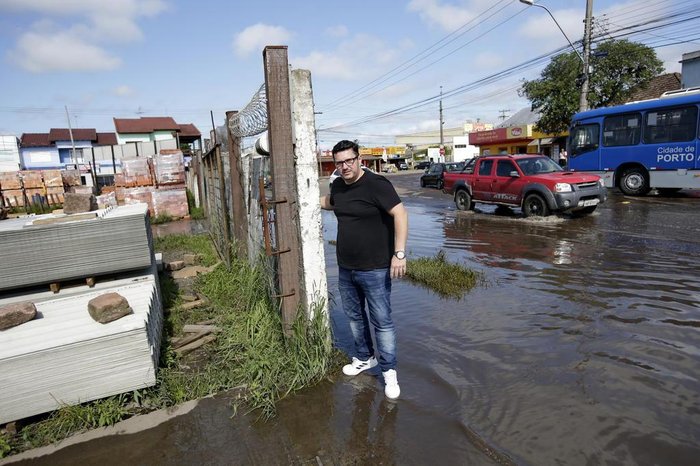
(336, 174)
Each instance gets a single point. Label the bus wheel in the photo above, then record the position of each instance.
(463, 200)
(634, 182)
(535, 206)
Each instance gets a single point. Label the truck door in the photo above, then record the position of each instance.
(505, 187)
(482, 181)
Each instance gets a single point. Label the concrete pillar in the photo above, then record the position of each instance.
(308, 191)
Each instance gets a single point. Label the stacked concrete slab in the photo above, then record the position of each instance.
(53, 248)
(64, 355)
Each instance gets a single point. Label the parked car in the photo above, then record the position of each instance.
(402, 166)
(534, 183)
(422, 165)
(434, 176)
(336, 174)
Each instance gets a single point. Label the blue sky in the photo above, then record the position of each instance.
(130, 58)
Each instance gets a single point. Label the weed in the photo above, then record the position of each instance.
(196, 213)
(161, 218)
(447, 279)
(5, 447)
(197, 244)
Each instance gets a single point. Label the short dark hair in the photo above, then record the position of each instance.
(345, 145)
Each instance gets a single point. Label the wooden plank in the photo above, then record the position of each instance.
(281, 139)
(240, 214)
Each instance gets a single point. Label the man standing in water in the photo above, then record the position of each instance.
(371, 243)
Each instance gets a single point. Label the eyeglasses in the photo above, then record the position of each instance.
(346, 162)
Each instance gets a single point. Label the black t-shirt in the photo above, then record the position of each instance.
(365, 230)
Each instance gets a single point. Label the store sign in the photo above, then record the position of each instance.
(517, 132)
(488, 137)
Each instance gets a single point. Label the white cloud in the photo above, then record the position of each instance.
(123, 91)
(539, 25)
(326, 65)
(486, 61)
(447, 17)
(353, 59)
(71, 34)
(63, 51)
(337, 31)
(255, 38)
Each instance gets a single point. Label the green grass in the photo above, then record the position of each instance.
(161, 218)
(196, 213)
(447, 279)
(195, 244)
(251, 351)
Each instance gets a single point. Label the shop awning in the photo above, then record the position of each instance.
(542, 142)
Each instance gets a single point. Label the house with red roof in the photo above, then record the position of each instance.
(148, 129)
(61, 147)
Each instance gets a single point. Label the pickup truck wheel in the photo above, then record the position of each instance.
(634, 182)
(463, 200)
(440, 184)
(535, 206)
(422, 183)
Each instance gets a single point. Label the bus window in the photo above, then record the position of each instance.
(584, 138)
(622, 130)
(671, 125)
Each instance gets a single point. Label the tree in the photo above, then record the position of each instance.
(618, 68)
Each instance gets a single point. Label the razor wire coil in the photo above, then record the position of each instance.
(252, 120)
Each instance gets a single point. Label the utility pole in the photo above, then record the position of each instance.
(441, 122)
(583, 102)
(503, 115)
(70, 131)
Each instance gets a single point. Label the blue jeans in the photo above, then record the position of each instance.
(370, 288)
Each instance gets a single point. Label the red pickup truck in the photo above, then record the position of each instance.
(530, 181)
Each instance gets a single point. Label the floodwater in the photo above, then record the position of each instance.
(582, 347)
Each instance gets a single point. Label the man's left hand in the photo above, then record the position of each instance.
(398, 267)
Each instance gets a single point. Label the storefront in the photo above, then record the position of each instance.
(511, 140)
(517, 140)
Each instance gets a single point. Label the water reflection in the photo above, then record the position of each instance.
(585, 335)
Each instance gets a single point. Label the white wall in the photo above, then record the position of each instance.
(462, 150)
(9, 154)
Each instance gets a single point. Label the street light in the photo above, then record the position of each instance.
(583, 101)
(532, 3)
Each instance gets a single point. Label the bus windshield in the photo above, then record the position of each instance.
(537, 165)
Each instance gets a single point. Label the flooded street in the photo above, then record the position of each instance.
(582, 347)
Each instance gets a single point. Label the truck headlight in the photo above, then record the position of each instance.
(602, 182)
(562, 188)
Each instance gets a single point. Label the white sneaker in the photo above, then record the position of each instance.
(391, 384)
(357, 366)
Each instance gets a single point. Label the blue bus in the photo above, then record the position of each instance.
(639, 146)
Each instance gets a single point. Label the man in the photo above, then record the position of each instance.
(371, 243)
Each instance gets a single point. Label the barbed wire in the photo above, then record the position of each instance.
(252, 119)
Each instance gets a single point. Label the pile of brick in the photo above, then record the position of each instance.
(46, 187)
(11, 189)
(53, 181)
(159, 182)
